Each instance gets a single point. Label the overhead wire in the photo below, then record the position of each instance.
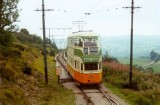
(94, 11)
(108, 8)
(89, 13)
(101, 10)
(96, 5)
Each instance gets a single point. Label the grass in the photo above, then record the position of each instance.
(141, 62)
(56, 94)
(117, 91)
(138, 61)
(19, 88)
(145, 86)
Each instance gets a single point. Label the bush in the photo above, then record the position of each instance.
(8, 73)
(141, 100)
(27, 70)
(13, 96)
(52, 52)
(10, 52)
(25, 31)
(6, 38)
(150, 69)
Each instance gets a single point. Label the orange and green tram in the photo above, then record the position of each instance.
(84, 58)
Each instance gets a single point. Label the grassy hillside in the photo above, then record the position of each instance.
(142, 62)
(145, 89)
(22, 75)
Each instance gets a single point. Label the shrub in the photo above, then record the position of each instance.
(8, 73)
(52, 52)
(27, 70)
(25, 31)
(6, 38)
(150, 69)
(13, 96)
(141, 100)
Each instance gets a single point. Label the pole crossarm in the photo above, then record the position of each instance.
(44, 10)
(131, 7)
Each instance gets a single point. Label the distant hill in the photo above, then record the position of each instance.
(119, 46)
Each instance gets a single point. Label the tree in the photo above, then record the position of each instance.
(8, 14)
(25, 31)
(154, 56)
(107, 58)
(5, 39)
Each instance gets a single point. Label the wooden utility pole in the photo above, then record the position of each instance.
(44, 40)
(131, 42)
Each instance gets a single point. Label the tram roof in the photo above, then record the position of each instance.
(84, 34)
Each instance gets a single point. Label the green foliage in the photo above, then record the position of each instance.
(10, 52)
(52, 52)
(25, 31)
(8, 74)
(5, 38)
(12, 96)
(150, 69)
(25, 38)
(8, 14)
(37, 39)
(144, 85)
(54, 47)
(23, 75)
(107, 58)
(140, 99)
(154, 56)
(27, 70)
(48, 41)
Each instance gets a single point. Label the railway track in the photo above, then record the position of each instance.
(112, 101)
(90, 100)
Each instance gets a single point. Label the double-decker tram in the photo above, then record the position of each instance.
(84, 58)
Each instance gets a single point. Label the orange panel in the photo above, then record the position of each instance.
(91, 78)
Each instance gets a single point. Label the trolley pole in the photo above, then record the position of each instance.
(80, 24)
(131, 42)
(44, 40)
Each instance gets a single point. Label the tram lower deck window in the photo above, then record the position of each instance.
(91, 66)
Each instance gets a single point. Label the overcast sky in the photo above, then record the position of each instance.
(107, 17)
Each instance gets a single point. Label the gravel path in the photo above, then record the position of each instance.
(96, 97)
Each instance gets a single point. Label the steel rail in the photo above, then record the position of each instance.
(86, 97)
(58, 59)
(108, 98)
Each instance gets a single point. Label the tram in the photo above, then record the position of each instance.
(84, 57)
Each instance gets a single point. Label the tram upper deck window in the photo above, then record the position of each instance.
(91, 66)
(78, 42)
(90, 41)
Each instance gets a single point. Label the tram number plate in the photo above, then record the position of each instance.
(91, 76)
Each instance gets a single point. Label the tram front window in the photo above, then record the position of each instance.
(91, 66)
